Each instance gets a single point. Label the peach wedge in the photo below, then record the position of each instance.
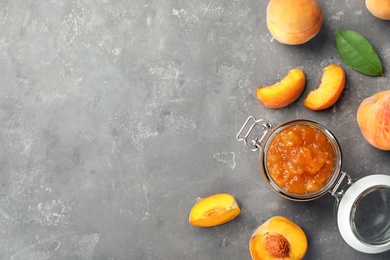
(278, 238)
(214, 210)
(329, 91)
(284, 92)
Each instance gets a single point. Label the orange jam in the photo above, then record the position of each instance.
(300, 159)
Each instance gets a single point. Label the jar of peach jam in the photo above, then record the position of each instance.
(301, 160)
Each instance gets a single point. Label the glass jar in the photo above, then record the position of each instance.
(362, 207)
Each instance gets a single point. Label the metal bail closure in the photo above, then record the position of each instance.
(254, 143)
(338, 194)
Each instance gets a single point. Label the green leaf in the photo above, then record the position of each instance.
(358, 53)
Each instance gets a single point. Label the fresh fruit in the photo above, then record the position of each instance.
(284, 92)
(329, 91)
(379, 8)
(373, 118)
(214, 210)
(294, 21)
(278, 238)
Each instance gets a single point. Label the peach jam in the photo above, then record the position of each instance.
(300, 159)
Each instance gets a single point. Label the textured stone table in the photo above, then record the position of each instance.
(116, 116)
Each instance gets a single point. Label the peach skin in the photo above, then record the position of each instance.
(284, 92)
(373, 118)
(294, 21)
(379, 8)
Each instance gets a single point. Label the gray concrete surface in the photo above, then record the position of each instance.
(116, 116)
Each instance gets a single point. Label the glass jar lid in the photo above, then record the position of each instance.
(363, 214)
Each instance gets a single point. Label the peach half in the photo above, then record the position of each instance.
(329, 91)
(373, 117)
(214, 210)
(278, 238)
(294, 21)
(284, 92)
(379, 8)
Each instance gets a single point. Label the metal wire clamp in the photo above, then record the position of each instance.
(255, 143)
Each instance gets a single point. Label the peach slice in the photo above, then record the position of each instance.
(278, 238)
(329, 91)
(214, 210)
(373, 117)
(284, 92)
(294, 21)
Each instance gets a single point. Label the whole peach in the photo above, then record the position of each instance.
(379, 8)
(294, 21)
(373, 117)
